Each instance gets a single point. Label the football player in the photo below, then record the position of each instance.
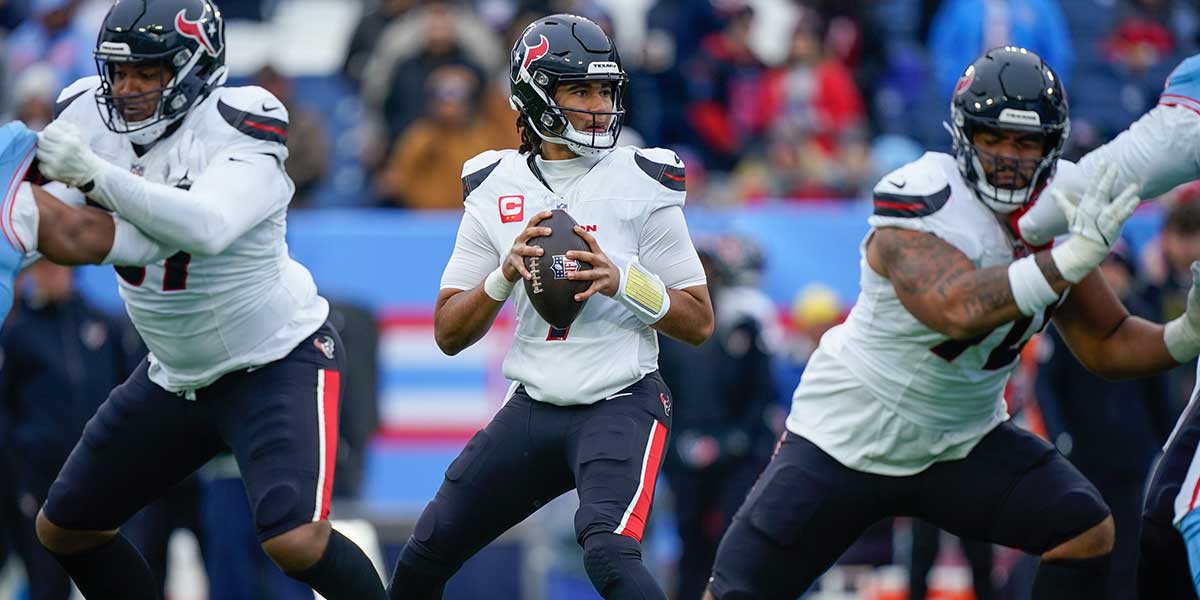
(587, 409)
(900, 411)
(1157, 152)
(241, 353)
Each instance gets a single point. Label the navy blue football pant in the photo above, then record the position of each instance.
(1013, 489)
(280, 420)
(530, 454)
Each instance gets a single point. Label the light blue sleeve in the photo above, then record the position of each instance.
(1190, 528)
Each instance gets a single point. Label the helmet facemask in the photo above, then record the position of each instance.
(550, 120)
(1004, 199)
(172, 94)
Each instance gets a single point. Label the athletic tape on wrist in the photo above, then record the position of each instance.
(643, 293)
(1030, 289)
(1182, 339)
(497, 286)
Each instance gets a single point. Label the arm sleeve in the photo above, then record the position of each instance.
(473, 257)
(237, 191)
(132, 248)
(1158, 151)
(666, 249)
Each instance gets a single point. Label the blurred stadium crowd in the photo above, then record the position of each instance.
(768, 102)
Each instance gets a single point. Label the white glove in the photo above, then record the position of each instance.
(63, 156)
(1182, 336)
(1095, 224)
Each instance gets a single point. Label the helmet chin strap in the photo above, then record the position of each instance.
(575, 145)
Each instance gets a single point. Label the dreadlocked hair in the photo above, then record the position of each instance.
(530, 141)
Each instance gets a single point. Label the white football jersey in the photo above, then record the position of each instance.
(631, 201)
(248, 305)
(885, 393)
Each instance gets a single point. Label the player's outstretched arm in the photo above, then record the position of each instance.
(236, 191)
(1112, 343)
(84, 235)
(941, 287)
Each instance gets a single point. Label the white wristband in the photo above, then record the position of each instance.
(643, 293)
(1182, 339)
(1078, 256)
(1030, 289)
(497, 286)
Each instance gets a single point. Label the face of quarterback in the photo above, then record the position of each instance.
(1009, 158)
(595, 96)
(137, 88)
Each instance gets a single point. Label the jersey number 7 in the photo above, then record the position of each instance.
(175, 272)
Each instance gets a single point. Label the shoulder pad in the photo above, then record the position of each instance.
(254, 112)
(663, 166)
(917, 189)
(477, 169)
(75, 91)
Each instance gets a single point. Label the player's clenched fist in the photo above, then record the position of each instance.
(514, 263)
(63, 155)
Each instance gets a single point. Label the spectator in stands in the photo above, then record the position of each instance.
(963, 29)
(308, 144)
(817, 145)
(358, 413)
(413, 46)
(1111, 430)
(724, 83)
(50, 35)
(61, 356)
(33, 96)
(426, 163)
(720, 440)
(366, 35)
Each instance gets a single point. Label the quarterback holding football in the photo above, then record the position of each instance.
(587, 409)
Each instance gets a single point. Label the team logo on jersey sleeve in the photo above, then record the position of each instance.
(512, 209)
(563, 266)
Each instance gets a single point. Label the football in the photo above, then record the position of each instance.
(549, 290)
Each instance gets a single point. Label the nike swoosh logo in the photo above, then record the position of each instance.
(265, 109)
(901, 184)
(619, 395)
(238, 159)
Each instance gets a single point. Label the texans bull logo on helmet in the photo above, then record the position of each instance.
(533, 53)
(196, 30)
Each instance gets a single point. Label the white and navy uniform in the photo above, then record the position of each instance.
(240, 352)
(589, 410)
(892, 417)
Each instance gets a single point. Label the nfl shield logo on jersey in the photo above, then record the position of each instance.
(563, 265)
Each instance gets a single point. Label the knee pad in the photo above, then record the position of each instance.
(276, 506)
(604, 555)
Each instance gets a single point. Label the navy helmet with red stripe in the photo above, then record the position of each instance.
(558, 49)
(1008, 88)
(185, 36)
